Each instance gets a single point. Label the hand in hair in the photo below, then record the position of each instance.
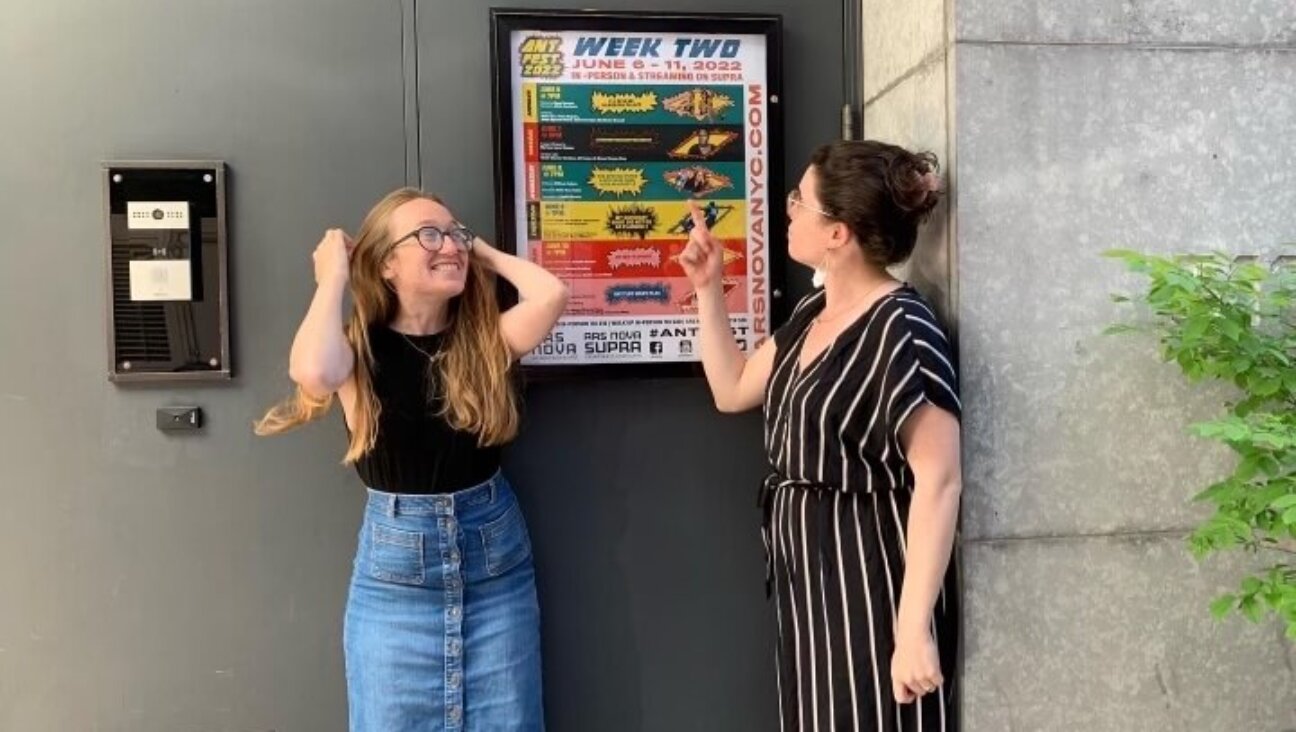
(703, 256)
(542, 298)
(333, 257)
(321, 359)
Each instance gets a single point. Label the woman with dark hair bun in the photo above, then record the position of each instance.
(862, 434)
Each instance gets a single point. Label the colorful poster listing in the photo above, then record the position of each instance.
(613, 133)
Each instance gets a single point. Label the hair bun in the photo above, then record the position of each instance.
(915, 183)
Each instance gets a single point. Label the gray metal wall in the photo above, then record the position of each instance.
(156, 584)
(1163, 126)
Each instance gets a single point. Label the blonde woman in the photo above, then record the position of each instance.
(442, 628)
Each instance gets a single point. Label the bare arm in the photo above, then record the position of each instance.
(321, 359)
(737, 382)
(542, 298)
(931, 440)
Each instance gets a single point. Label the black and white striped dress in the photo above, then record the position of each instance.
(836, 514)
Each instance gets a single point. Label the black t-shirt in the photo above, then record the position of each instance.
(417, 451)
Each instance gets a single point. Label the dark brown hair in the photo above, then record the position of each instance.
(881, 192)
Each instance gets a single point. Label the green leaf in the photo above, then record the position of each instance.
(1119, 329)
(1270, 466)
(1247, 469)
(1250, 607)
(1196, 327)
(1264, 438)
(1234, 322)
(1266, 386)
(1183, 281)
(1231, 329)
(1222, 605)
(1286, 501)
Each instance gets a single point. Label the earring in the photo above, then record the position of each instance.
(820, 271)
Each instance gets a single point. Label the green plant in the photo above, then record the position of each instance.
(1220, 319)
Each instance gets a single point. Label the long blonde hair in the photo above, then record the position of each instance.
(473, 367)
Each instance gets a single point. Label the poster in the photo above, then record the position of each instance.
(611, 130)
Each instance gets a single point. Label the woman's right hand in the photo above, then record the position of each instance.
(703, 256)
(333, 257)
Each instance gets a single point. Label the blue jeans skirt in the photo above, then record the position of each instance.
(442, 627)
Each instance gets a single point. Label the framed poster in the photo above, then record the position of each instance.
(605, 125)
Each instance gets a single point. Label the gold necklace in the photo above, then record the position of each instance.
(820, 319)
(414, 345)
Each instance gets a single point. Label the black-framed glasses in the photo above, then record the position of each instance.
(432, 238)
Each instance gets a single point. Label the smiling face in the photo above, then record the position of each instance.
(415, 272)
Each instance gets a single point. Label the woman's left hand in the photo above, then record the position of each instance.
(484, 252)
(542, 297)
(915, 668)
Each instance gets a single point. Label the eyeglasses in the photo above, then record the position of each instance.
(432, 238)
(794, 199)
